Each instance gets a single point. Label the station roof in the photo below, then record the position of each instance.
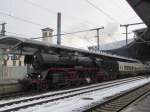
(142, 8)
(18, 45)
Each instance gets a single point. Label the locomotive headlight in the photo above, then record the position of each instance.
(39, 76)
(27, 75)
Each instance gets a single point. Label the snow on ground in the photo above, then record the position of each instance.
(81, 102)
(58, 91)
(102, 86)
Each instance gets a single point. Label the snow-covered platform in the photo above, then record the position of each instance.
(142, 105)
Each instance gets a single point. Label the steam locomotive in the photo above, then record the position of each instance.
(58, 71)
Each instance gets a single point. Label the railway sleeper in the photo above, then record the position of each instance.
(126, 99)
(114, 105)
(100, 110)
(106, 108)
(117, 107)
(120, 102)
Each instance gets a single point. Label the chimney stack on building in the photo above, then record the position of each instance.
(47, 35)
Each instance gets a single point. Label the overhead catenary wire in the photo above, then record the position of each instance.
(31, 22)
(41, 25)
(28, 21)
(21, 19)
(101, 11)
(38, 25)
(116, 4)
(55, 13)
(19, 34)
(70, 33)
(23, 35)
(40, 6)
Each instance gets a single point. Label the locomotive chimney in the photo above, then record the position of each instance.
(47, 35)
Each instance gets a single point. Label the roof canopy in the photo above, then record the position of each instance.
(142, 8)
(25, 46)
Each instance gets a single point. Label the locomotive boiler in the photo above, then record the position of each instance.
(44, 61)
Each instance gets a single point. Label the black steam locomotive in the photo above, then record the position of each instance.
(55, 71)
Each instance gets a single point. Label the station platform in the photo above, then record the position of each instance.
(9, 86)
(8, 81)
(141, 105)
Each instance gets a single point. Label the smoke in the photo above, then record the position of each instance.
(110, 29)
(85, 39)
(79, 40)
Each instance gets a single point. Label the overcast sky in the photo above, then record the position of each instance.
(27, 17)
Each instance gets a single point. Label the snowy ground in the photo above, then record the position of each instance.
(103, 84)
(81, 102)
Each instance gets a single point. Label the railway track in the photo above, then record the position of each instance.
(119, 102)
(29, 102)
(18, 94)
(34, 93)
